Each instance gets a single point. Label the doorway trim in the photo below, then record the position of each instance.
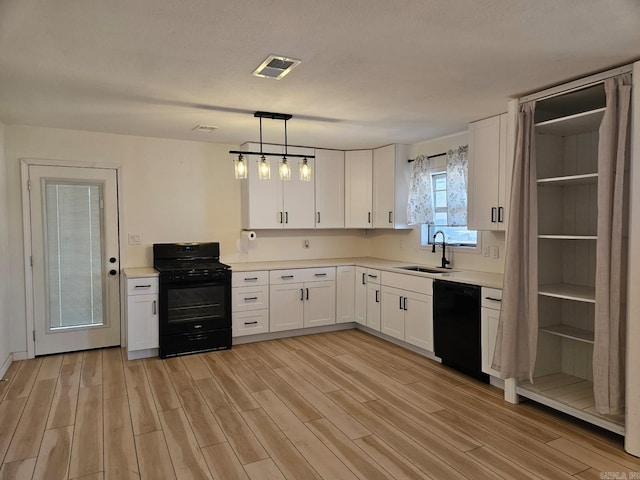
(25, 163)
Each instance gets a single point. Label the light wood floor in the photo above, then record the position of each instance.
(331, 406)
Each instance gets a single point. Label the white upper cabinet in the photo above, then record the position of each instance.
(274, 203)
(358, 167)
(391, 177)
(329, 177)
(490, 167)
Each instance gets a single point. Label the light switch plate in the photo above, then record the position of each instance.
(134, 239)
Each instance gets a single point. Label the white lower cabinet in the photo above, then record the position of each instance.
(490, 316)
(250, 302)
(143, 336)
(367, 297)
(407, 309)
(300, 298)
(345, 294)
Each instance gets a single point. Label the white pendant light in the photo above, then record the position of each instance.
(305, 170)
(264, 169)
(284, 169)
(240, 168)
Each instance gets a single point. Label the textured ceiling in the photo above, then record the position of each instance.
(373, 72)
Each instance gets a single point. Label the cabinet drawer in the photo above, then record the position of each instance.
(249, 298)
(491, 298)
(142, 285)
(278, 277)
(373, 276)
(412, 283)
(243, 279)
(250, 323)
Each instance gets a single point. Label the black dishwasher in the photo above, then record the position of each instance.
(456, 327)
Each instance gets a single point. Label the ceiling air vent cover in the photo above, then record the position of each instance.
(276, 66)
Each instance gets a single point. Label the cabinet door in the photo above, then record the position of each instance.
(484, 164)
(392, 312)
(262, 205)
(418, 320)
(358, 167)
(384, 163)
(320, 303)
(489, 319)
(345, 294)
(142, 322)
(286, 307)
(360, 285)
(374, 298)
(298, 196)
(329, 176)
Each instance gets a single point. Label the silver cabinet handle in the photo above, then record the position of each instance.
(154, 309)
(246, 299)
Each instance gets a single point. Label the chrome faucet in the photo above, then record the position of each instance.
(445, 262)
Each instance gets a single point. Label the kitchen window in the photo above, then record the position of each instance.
(438, 198)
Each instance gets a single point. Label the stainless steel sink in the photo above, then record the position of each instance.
(416, 268)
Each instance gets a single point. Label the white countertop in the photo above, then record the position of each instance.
(140, 272)
(484, 279)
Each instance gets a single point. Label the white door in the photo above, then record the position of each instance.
(320, 303)
(384, 169)
(358, 197)
(329, 176)
(418, 320)
(373, 306)
(345, 294)
(360, 303)
(393, 312)
(75, 255)
(286, 307)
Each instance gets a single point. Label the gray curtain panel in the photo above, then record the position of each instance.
(610, 324)
(517, 338)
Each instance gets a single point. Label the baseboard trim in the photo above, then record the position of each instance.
(5, 366)
(145, 353)
(292, 333)
(20, 356)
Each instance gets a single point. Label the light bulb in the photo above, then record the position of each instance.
(305, 171)
(285, 170)
(240, 168)
(264, 169)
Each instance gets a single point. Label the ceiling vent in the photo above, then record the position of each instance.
(276, 66)
(204, 128)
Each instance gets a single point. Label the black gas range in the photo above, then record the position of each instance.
(195, 298)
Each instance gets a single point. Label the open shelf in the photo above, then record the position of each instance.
(569, 237)
(569, 180)
(568, 291)
(573, 124)
(571, 395)
(579, 334)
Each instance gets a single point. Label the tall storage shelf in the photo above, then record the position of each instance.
(567, 166)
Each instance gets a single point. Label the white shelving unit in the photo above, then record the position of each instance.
(566, 155)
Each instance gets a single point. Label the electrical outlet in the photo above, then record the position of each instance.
(305, 243)
(485, 252)
(494, 251)
(134, 239)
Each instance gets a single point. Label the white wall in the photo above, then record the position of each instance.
(171, 191)
(404, 245)
(4, 260)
